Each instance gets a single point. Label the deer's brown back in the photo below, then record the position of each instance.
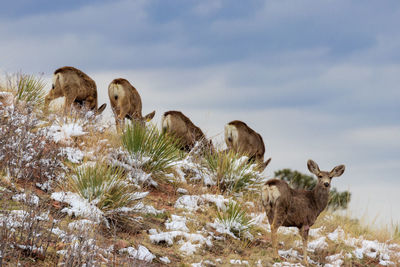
(125, 97)
(182, 127)
(249, 141)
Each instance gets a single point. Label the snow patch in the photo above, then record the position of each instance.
(193, 241)
(239, 262)
(142, 253)
(165, 260)
(74, 155)
(79, 206)
(31, 198)
(337, 235)
(182, 191)
(188, 248)
(65, 131)
(192, 202)
(176, 223)
(318, 243)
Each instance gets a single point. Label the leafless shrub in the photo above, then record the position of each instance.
(81, 245)
(26, 151)
(25, 232)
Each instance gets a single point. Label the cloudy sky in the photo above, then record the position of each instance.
(317, 79)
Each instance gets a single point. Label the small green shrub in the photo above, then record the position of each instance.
(29, 88)
(106, 188)
(231, 172)
(154, 150)
(235, 219)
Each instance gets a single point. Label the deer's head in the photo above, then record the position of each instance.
(324, 177)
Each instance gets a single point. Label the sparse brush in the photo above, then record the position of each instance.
(25, 229)
(28, 88)
(157, 151)
(26, 150)
(235, 219)
(105, 187)
(232, 173)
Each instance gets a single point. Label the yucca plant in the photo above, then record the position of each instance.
(30, 89)
(232, 173)
(106, 188)
(235, 219)
(155, 151)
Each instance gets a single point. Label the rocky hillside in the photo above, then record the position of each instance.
(74, 192)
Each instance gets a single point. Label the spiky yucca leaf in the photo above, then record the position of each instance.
(235, 219)
(158, 151)
(105, 187)
(232, 172)
(30, 89)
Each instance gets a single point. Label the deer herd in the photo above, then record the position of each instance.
(284, 206)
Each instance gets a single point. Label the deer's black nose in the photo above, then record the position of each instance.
(326, 184)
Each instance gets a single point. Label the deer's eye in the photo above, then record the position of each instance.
(320, 176)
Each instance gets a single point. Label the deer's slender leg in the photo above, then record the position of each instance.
(274, 240)
(117, 123)
(121, 119)
(304, 236)
(69, 100)
(276, 222)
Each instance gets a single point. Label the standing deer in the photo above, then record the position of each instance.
(285, 206)
(243, 140)
(126, 103)
(177, 124)
(77, 88)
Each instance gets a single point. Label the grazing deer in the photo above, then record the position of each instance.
(126, 103)
(77, 88)
(285, 206)
(177, 124)
(243, 140)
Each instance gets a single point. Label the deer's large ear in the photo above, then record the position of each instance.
(337, 171)
(101, 109)
(313, 167)
(267, 162)
(149, 116)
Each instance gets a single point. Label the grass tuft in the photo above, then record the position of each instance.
(29, 88)
(157, 151)
(232, 173)
(106, 188)
(235, 219)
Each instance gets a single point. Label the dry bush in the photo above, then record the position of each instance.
(25, 233)
(26, 151)
(81, 247)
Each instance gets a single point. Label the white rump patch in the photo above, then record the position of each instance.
(116, 90)
(231, 133)
(55, 77)
(270, 194)
(166, 122)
